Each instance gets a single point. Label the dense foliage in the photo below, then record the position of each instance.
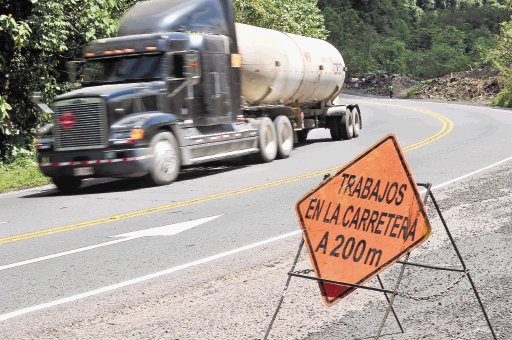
(37, 38)
(294, 16)
(422, 38)
(501, 57)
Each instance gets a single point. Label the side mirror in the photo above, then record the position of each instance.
(36, 99)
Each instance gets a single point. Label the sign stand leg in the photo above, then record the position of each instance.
(390, 306)
(391, 301)
(445, 225)
(285, 290)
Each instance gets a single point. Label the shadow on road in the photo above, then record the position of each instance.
(110, 185)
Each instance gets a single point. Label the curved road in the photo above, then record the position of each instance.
(81, 273)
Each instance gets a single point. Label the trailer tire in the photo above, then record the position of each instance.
(334, 128)
(166, 161)
(284, 132)
(346, 126)
(356, 123)
(67, 185)
(267, 142)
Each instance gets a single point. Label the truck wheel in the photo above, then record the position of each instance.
(267, 142)
(166, 162)
(347, 126)
(356, 120)
(334, 128)
(67, 185)
(302, 136)
(284, 132)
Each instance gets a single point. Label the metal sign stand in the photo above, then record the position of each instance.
(392, 294)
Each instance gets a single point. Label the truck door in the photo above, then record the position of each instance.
(183, 96)
(217, 91)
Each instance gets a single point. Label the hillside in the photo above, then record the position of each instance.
(477, 86)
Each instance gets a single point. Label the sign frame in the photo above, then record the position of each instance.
(331, 301)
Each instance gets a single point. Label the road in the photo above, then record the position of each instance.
(220, 278)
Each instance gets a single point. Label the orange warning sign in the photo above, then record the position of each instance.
(362, 220)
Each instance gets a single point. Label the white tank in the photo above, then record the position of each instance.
(282, 68)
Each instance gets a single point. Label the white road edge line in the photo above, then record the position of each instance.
(123, 284)
(23, 311)
(472, 173)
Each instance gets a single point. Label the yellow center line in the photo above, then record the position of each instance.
(446, 128)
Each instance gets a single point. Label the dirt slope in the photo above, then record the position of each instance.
(478, 86)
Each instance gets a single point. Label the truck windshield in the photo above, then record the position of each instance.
(119, 70)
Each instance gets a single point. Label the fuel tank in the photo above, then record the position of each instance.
(281, 68)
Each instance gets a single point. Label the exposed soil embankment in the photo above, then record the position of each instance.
(477, 86)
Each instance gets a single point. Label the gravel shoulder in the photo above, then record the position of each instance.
(234, 298)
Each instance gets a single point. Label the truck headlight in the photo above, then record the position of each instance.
(127, 137)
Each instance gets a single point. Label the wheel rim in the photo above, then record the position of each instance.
(356, 121)
(165, 159)
(269, 142)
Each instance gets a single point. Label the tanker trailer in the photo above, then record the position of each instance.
(182, 85)
(301, 73)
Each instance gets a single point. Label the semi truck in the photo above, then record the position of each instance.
(183, 84)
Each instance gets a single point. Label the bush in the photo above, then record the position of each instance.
(22, 173)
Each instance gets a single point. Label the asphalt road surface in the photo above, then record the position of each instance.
(207, 257)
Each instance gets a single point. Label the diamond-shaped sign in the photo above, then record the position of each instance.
(360, 221)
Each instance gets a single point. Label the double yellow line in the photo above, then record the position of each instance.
(447, 127)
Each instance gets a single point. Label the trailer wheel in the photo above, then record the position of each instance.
(347, 126)
(356, 120)
(166, 162)
(335, 128)
(67, 185)
(267, 142)
(284, 132)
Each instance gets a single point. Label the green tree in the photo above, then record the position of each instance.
(38, 37)
(301, 17)
(390, 53)
(502, 59)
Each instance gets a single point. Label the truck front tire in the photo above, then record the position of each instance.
(284, 132)
(166, 162)
(67, 185)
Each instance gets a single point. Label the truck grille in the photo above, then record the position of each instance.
(80, 124)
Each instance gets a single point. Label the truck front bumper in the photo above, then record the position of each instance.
(96, 163)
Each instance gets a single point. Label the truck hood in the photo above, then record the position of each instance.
(113, 91)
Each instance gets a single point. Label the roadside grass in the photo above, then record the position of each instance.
(415, 90)
(21, 174)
